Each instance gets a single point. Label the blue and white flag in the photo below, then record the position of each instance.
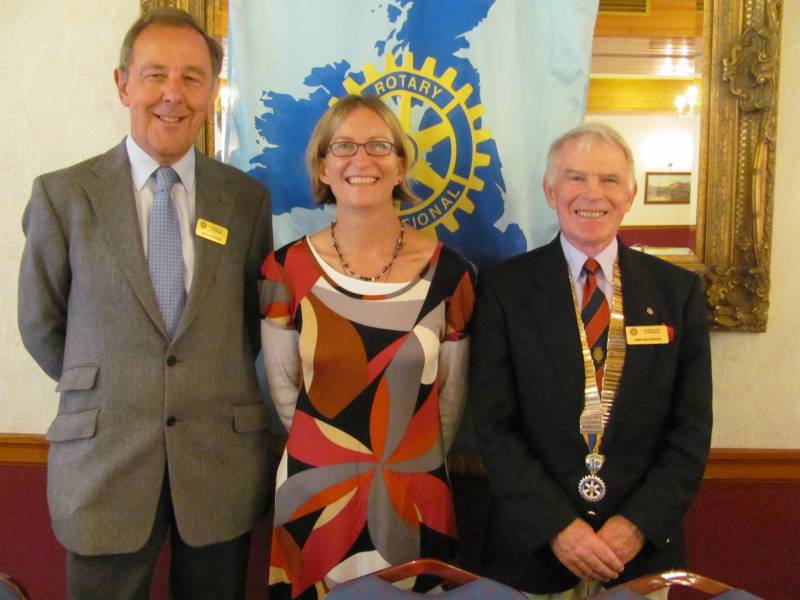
(481, 87)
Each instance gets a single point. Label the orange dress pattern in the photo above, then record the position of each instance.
(362, 482)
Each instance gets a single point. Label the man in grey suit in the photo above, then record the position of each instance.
(138, 295)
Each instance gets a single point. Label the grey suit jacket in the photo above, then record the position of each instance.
(133, 402)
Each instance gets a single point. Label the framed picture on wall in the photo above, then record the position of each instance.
(672, 187)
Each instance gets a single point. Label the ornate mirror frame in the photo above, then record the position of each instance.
(737, 153)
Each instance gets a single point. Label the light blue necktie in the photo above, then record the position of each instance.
(164, 257)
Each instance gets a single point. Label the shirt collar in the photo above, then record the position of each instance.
(143, 166)
(576, 258)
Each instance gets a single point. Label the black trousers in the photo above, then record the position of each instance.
(214, 572)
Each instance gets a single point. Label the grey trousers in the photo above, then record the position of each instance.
(214, 572)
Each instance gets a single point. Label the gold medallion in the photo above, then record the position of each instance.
(598, 404)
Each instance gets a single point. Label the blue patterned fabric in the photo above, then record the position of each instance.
(164, 257)
(625, 594)
(371, 587)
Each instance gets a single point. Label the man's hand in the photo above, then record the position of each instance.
(584, 553)
(623, 537)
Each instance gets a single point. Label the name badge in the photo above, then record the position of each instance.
(211, 232)
(637, 335)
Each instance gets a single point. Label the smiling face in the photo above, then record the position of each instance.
(590, 191)
(362, 179)
(168, 88)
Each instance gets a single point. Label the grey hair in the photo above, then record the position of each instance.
(167, 16)
(586, 135)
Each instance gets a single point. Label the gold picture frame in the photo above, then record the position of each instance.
(736, 180)
(211, 14)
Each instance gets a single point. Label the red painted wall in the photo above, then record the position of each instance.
(747, 534)
(677, 236)
(29, 550)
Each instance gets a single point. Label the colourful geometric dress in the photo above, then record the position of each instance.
(362, 482)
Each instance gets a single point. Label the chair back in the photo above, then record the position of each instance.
(11, 589)
(636, 588)
(378, 585)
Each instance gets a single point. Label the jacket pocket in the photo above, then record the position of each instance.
(73, 426)
(78, 378)
(249, 418)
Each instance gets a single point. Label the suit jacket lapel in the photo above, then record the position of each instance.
(640, 291)
(111, 196)
(555, 317)
(214, 202)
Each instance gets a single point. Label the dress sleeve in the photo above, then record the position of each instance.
(280, 340)
(454, 357)
(275, 294)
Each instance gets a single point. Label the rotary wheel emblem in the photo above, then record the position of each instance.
(442, 129)
(592, 488)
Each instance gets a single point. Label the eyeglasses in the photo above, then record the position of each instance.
(373, 148)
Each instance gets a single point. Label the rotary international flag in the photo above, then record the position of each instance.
(481, 87)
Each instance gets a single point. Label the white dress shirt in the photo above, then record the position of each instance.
(605, 275)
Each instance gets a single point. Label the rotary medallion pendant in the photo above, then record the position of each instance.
(591, 487)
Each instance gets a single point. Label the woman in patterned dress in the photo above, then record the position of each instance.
(365, 336)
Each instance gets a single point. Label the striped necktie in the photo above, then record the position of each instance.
(164, 255)
(595, 315)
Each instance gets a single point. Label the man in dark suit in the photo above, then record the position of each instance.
(138, 295)
(590, 387)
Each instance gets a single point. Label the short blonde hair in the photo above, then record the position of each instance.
(328, 124)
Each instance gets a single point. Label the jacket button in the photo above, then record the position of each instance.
(171, 361)
(171, 421)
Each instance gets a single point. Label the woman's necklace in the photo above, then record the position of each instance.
(346, 267)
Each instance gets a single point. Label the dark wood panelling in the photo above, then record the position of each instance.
(23, 448)
(727, 464)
